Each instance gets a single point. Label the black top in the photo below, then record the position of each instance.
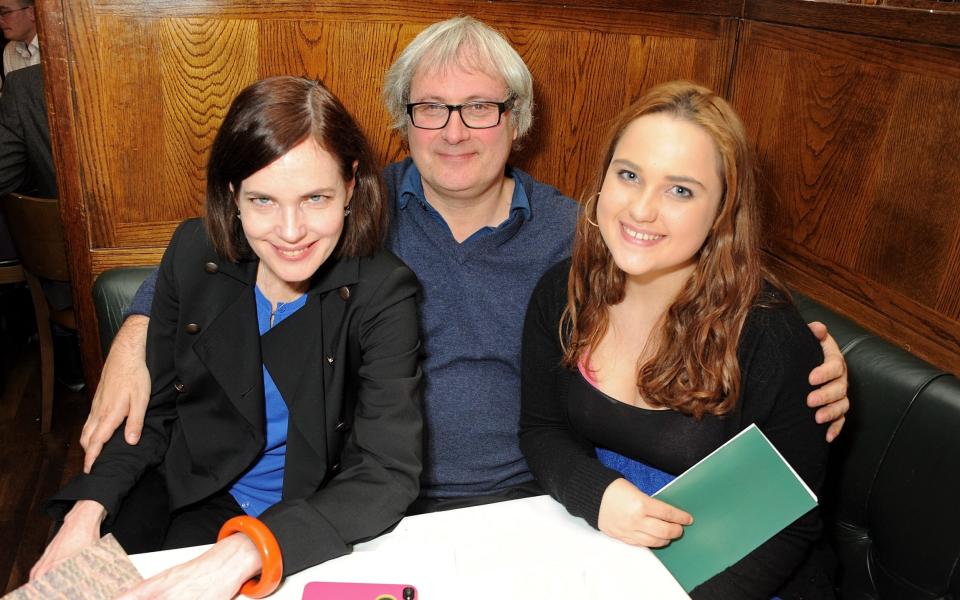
(563, 418)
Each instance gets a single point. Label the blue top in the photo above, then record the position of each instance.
(475, 296)
(412, 188)
(262, 485)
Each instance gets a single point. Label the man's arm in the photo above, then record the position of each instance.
(124, 388)
(831, 377)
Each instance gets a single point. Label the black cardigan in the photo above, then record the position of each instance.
(776, 352)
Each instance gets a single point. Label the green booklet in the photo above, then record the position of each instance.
(740, 495)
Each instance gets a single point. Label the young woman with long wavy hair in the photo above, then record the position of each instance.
(663, 337)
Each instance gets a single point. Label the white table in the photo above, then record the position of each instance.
(522, 549)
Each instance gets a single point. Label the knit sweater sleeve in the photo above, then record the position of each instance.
(776, 353)
(563, 462)
(143, 299)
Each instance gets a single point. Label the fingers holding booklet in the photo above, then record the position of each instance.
(631, 516)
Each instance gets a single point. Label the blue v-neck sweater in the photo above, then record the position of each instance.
(475, 296)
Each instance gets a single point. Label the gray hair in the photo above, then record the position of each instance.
(452, 42)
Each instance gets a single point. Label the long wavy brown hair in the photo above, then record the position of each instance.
(692, 365)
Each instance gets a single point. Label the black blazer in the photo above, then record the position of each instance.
(346, 364)
(26, 162)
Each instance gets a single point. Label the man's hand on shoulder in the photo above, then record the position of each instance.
(123, 392)
(831, 377)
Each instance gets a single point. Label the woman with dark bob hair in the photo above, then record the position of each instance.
(283, 350)
(664, 336)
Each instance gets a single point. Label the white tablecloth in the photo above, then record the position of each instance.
(522, 549)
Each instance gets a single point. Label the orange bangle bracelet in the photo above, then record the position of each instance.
(272, 570)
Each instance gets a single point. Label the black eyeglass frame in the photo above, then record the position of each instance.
(502, 107)
(4, 13)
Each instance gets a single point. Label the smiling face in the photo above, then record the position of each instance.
(19, 24)
(659, 198)
(456, 161)
(292, 216)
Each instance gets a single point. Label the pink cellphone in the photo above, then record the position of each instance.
(331, 590)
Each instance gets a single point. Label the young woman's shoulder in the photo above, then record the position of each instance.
(554, 281)
(774, 332)
(550, 293)
(774, 309)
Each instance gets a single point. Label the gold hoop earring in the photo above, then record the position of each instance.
(586, 209)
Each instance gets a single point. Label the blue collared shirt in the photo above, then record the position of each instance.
(412, 187)
(262, 485)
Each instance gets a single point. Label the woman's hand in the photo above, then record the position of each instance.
(81, 528)
(217, 573)
(629, 515)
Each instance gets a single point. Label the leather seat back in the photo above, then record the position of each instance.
(892, 502)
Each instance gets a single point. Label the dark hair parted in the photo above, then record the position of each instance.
(692, 365)
(266, 120)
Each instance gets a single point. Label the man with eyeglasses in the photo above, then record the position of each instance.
(19, 25)
(479, 234)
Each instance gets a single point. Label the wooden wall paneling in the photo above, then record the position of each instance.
(903, 24)
(93, 111)
(948, 300)
(401, 11)
(655, 60)
(854, 136)
(575, 97)
(132, 133)
(350, 58)
(915, 223)
(720, 8)
(52, 19)
(204, 63)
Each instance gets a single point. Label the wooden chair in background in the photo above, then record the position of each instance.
(38, 236)
(11, 272)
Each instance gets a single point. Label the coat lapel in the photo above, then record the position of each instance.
(293, 354)
(333, 287)
(229, 346)
(297, 353)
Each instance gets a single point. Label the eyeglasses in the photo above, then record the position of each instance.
(475, 115)
(4, 13)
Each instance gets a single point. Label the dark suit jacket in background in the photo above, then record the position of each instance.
(26, 162)
(346, 364)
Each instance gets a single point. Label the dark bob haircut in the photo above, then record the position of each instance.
(265, 121)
